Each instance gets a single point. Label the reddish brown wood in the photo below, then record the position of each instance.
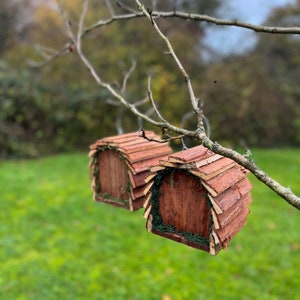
(124, 162)
(138, 179)
(122, 138)
(137, 192)
(223, 181)
(180, 239)
(234, 212)
(229, 231)
(189, 155)
(231, 196)
(208, 161)
(148, 154)
(141, 146)
(113, 183)
(214, 168)
(136, 204)
(204, 194)
(143, 165)
(183, 204)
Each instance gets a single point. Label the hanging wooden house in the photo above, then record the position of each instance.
(197, 198)
(119, 166)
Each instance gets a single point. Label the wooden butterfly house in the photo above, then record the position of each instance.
(119, 166)
(197, 198)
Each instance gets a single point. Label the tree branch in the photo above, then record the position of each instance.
(198, 18)
(199, 133)
(284, 192)
(187, 79)
(142, 134)
(168, 14)
(127, 76)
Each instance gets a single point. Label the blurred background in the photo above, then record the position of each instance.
(248, 82)
(55, 242)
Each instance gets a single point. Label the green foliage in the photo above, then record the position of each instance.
(8, 18)
(244, 105)
(37, 118)
(56, 243)
(60, 107)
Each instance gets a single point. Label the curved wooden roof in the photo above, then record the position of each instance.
(227, 190)
(127, 170)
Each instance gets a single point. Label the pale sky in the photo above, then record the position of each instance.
(229, 39)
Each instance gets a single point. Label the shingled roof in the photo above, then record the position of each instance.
(119, 165)
(198, 198)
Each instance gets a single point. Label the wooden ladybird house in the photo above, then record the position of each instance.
(197, 198)
(119, 166)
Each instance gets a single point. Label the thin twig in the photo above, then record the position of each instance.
(119, 119)
(150, 96)
(142, 134)
(38, 64)
(284, 192)
(172, 14)
(140, 102)
(109, 87)
(198, 18)
(149, 15)
(127, 76)
(110, 7)
(81, 21)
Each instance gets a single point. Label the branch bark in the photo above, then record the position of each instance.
(282, 191)
(168, 14)
(199, 132)
(198, 18)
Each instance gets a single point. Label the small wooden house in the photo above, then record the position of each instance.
(197, 198)
(119, 166)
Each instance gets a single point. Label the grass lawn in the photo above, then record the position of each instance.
(56, 243)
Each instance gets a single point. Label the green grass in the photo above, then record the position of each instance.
(56, 243)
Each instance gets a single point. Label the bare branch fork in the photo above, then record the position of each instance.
(195, 17)
(282, 191)
(132, 14)
(76, 40)
(199, 133)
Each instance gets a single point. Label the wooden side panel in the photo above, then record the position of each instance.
(113, 177)
(184, 205)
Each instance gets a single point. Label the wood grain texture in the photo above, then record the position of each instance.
(203, 199)
(119, 166)
(113, 183)
(183, 204)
